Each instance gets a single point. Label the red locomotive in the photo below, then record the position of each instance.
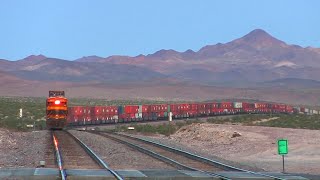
(56, 110)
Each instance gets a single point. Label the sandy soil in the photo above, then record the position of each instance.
(256, 146)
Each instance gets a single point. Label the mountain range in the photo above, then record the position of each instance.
(256, 59)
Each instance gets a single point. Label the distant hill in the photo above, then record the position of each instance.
(51, 69)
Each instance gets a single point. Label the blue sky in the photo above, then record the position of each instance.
(70, 29)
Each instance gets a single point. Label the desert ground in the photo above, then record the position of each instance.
(256, 146)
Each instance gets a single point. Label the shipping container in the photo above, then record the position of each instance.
(168, 108)
(155, 108)
(140, 109)
(226, 105)
(76, 110)
(260, 105)
(112, 110)
(146, 116)
(131, 109)
(138, 115)
(121, 109)
(247, 105)
(237, 105)
(194, 107)
(289, 109)
(145, 108)
(174, 107)
(214, 105)
(279, 108)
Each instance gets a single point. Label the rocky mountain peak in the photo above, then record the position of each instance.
(260, 39)
(164, 54)
(92, 58)
(39, 57)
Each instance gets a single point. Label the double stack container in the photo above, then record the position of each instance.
(237, 106)
(226, 107)
(248, 107)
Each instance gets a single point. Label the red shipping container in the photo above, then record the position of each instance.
(193, 113)
(146, 108)
(97, 112)
(282, 106)
(77, 113)
(159, 108)
(155, 108)
(194, 107)
(111, 110)
(161, 114)
(174, 107)
(70, 117)
(184, 107)
(164, 107)
(132, 116)
(289, 109)
(131, 109)
(202, 107)
(78, 110)
(178, 107)
(247, 105)
(226, 105)
(188, 107)
(260, 105)
(214, 105)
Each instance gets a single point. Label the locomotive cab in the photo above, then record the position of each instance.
(57, 110)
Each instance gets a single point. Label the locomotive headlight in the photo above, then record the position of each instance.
(57, 102)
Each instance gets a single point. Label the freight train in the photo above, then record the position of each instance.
(56, 110)
(84, 115)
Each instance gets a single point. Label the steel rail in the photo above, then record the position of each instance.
(58, 157)
(200, 158)
(159, 156)
(94, 156)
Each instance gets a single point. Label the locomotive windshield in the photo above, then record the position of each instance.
(56, 93)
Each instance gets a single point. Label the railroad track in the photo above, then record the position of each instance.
(180, 159)
(72, 153)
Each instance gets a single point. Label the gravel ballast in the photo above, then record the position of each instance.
(22, 149)
(119, 156)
